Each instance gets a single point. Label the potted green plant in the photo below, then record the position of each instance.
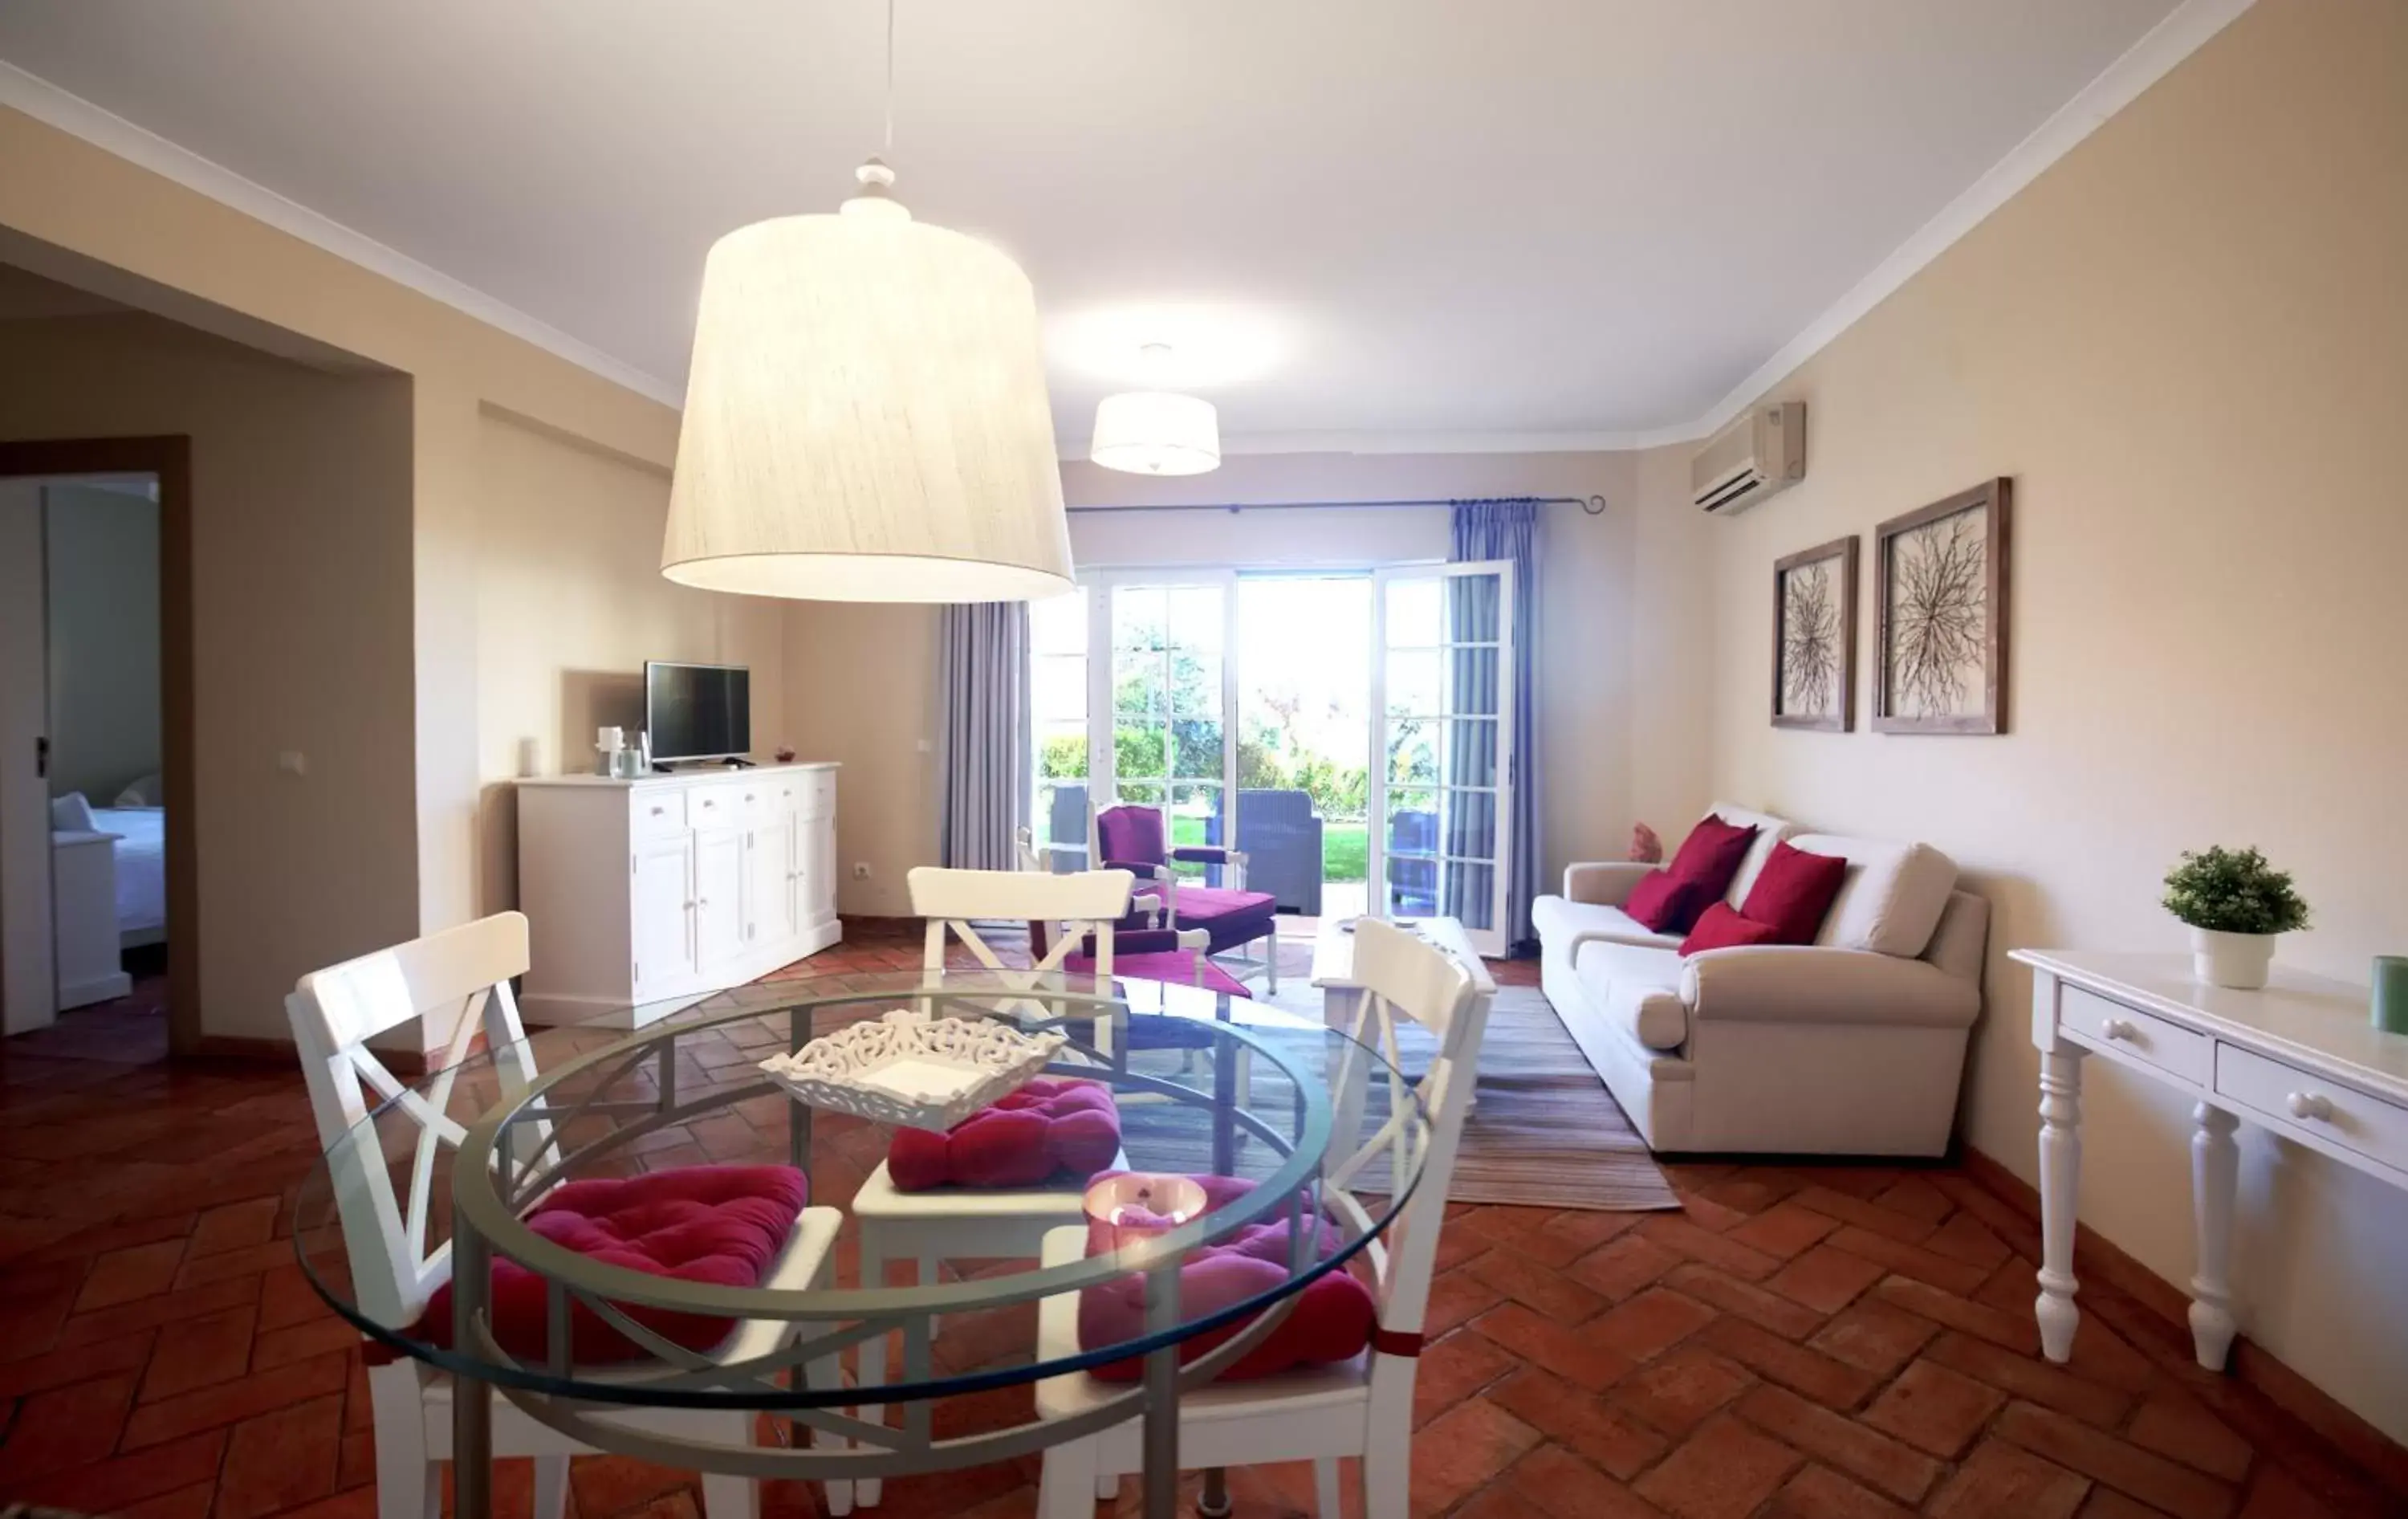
(2236, 904)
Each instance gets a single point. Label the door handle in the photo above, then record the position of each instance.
(42, 757)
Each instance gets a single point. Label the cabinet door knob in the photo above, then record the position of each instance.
(2315, 1105)
(2117, 1029)
(658, 810)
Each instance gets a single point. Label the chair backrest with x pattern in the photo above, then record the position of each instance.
(1404, 978)
(1079, 905)
(459, 982)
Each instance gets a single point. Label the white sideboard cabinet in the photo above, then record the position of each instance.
(651, 894)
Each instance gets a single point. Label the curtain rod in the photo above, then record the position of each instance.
(1593, 506)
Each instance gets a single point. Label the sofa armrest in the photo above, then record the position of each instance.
(1808, 983)
(1603, 882)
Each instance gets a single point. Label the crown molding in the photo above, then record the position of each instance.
(76, 117)
(2181, 33)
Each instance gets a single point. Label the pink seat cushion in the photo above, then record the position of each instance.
(1332, 1321)
(722, 1225)
(1052, 1126)
(1177, 967)
(1230, 917)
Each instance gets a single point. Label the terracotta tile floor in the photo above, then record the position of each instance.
(1800, 1342)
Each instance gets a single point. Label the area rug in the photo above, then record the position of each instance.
(1545, 1133)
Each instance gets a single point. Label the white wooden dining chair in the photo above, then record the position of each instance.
(1361, 1408)
(966, 1223)
(459, 981)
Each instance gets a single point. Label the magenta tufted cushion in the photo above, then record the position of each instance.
(1332, 1319)
(1053, 1126)
(1132, 834)
(722, 1225)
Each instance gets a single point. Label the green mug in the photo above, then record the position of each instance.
(2391, 992)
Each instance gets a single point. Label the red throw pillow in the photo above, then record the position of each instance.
(722, 1225)
(1666, 903)
(1793, 891)
(1711, 853)
(1052, 1126)
(1332, 1319)
(1720, 928)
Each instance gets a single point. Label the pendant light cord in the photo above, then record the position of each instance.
(890, 77)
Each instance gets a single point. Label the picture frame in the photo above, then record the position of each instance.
(1941, 585)
(1814, 637)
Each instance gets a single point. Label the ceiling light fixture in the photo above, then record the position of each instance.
(865, 418)
(1157, 432)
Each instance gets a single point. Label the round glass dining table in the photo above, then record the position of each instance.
(442, 1174)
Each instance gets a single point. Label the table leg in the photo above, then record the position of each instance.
(1213, 1502)
(1161, 1432)
(2214, 1171)
(472, 1399)
(2060, 1171)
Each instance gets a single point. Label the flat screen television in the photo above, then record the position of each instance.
(697, 711)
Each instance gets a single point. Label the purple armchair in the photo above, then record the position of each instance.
(1133, 838)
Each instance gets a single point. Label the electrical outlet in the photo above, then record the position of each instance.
(861, 869)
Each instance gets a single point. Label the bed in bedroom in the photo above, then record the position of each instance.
(141, 871)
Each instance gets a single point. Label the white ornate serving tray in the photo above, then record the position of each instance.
(910, 1069)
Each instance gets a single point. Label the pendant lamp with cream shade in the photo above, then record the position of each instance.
(865, 418)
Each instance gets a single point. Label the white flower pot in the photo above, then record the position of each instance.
(2236, 960)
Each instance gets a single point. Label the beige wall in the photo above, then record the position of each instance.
(569, 604)
(102, 553)
(302, 633)
(2184, 344)
(862, 681)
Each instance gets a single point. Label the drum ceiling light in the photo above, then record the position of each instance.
(865, 418)
(1157, 432)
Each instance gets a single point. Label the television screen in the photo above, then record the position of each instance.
(697, 711)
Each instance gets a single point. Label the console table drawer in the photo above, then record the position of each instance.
(657, 813)
(2144, 1037)
(2371, 1127)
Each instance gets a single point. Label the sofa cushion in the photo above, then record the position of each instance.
(1720, 928)
(1793, 891)
(1560, 919)
(1893, 895)
(1667, 903)
(1769, 831)
(1711, 853)
(1636, 990)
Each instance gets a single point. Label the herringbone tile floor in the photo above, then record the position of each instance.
(1798, 1341)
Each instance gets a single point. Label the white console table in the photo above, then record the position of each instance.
(2300, 1058)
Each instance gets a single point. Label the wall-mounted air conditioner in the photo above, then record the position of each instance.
(1762, 452)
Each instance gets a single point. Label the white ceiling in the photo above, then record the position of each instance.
(1394, 220)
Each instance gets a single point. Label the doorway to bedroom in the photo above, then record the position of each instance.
(95, 728)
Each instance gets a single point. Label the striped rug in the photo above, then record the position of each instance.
(1545, 1133)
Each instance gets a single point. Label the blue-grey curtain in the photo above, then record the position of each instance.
(983, 663)
(1507, 530)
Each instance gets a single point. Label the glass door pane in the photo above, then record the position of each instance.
(1443, 789)
(1304, 739)
(1170, 736)
(1057, 658)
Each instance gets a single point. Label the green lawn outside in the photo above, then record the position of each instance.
(1345, 847)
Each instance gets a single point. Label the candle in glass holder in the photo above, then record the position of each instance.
(1136, 1206)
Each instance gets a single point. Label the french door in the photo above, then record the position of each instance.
(1162, 702)
(1442, 758)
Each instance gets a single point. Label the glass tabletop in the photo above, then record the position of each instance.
(1329, 1136)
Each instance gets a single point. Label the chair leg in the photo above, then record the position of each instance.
(1388, 1461)
(1325, 1502)
(408, 1486)
(550, 1486)
(872, 1361)
(1067, 1489)
(730, 1497)
(1271, 975)
(928, 1279)
(1107, 1488)
(1385, 1484)
(826, 1373)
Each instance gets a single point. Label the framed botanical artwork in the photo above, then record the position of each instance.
(1939, 583)
(1814, 637)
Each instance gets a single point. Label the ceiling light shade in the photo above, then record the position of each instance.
(865, 418)
(1157, 432)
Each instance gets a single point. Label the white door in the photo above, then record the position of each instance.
(815, 869)
(1162, 708)
(28, 977)
(1442, 765)
(770, 897)
(718, 897)
(663, 916)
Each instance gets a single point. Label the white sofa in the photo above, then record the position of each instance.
(1852, 1045)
